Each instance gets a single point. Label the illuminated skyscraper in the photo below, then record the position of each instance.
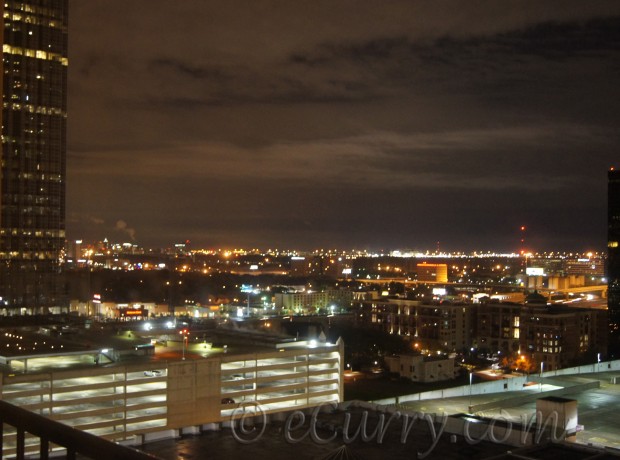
(613, 248)
(34, 120)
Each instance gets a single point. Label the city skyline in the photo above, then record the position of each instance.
(295, 125)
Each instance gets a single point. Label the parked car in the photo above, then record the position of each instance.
(153, 373)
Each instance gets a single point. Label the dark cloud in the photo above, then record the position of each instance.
(306, 124)
(185, 69)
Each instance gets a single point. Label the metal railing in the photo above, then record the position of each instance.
(53, 432)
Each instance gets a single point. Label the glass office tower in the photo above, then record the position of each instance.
(34, 125)
(613, 249)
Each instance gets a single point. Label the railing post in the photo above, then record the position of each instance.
(20, 443)
(49, 431)
(44, 450)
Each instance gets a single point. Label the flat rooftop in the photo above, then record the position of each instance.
(24, 343)
(44, 349)
(272, 444)
(421, 441)
(597, 408)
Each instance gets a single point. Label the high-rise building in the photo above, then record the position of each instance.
(32, 184)
(613, 248)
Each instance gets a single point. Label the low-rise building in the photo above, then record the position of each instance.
(445, 326)
(432, 273)
(498, 328)
(313, 302)
(420, 368)
(556, 335)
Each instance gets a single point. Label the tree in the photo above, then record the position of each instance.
(521, 363)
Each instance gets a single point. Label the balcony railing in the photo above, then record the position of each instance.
(51, 432)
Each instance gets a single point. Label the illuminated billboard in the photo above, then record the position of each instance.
(133, 312)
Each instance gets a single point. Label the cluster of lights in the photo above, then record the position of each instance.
(21, 347)
(120, 248)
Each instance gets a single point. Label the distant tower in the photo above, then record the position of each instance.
(523, 228)
(613, 249)
(32, 181)
(523, 252)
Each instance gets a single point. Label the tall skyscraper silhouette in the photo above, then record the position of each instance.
(32, 185)
(613, 250)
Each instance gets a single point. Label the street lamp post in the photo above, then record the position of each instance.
(471, 377)
(598, 358)
(542, 367)
(183, 343)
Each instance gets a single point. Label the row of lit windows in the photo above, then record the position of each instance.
(34, 211)
(37, 233)
(40, 10)
(45, 172)
(30, 108)
(38, 54)
(33, 176)
(13, 201)
(550, 349)
(550, 335)
(17, 17)
(29, 255)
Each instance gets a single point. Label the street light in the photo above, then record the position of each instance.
(542, 367)
(184, 343)
(471, 377)
(598, 358)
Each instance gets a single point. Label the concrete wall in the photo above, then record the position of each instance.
(496, 386)
(478, 429)
(501, 386)
(530, 397)
(604, 366)
(193, 392)
(418, 369)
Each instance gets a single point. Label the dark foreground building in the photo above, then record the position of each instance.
(613, 248)
(32, 184)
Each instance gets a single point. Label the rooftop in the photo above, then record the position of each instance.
(43, 349)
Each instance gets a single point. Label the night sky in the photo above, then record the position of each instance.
(348, 124)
